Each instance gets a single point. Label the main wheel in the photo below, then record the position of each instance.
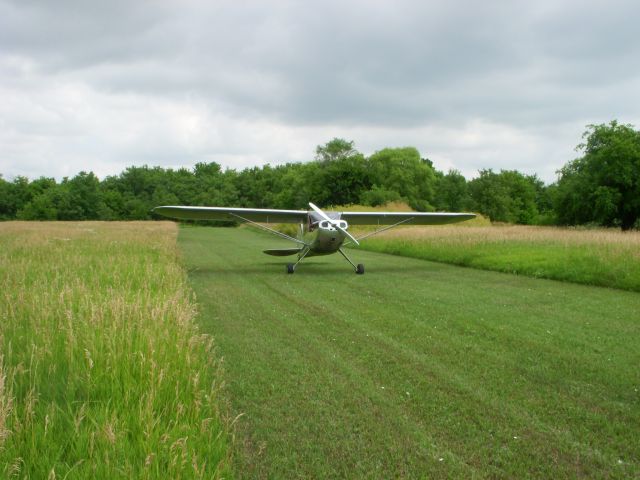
(290, 268)
(360, 269)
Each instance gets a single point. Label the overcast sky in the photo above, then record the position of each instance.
(102, 85)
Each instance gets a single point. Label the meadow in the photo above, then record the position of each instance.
(603, 257)
(103, 371)
(416, 369)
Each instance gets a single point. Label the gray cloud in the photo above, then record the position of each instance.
(102, 85)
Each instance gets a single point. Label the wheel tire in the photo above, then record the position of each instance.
(360, 269)
(290, 268)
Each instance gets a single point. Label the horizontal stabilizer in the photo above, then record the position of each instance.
(282, 252)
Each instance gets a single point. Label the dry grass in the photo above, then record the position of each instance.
(103, 372)
(520, 233)
(604, 257)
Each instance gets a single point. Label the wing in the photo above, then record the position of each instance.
(407, 218)
(235, 214)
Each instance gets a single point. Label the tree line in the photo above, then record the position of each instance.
(602, 187)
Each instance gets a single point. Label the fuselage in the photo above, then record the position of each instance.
(323, 238)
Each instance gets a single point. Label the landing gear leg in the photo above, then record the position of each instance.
(291, 267)
(359, 268)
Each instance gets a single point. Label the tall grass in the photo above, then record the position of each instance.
(103, 373)
(601, 257)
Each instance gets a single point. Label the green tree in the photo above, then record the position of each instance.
(85, 198)
(508, 196)
(452, 192)
(402, 170)
(376, 196)
(344, 180)
(299, 186)
(112, 198)
(338, 176)
(7, 200)
(37, 199)
(215, 186)
(257, 187)
(544, 202)
(42, 207)
(602, 186)
(336, 149)
(22, 193)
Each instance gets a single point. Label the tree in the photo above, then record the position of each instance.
(379, 196)
(335, 149)
(402, 170)
(343, 180)
(7, 200)
(543, 195)
(22, 194)
(85, 197)
(508, 196)
(602, 186)
(38, 198)
(452, 192)
(42, 207)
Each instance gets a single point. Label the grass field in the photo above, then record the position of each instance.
(416, 369)
(103, 373)
(608, 258)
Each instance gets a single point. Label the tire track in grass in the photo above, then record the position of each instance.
(496, 389)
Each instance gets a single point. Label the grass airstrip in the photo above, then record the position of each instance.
(414, 370)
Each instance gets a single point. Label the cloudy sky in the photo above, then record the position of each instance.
(102, 85)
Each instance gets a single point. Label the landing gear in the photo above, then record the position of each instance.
(291, 267)
(359, 268)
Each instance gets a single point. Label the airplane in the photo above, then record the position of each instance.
(320, 233)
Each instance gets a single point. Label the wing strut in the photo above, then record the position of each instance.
(381, 230)
(271, 230)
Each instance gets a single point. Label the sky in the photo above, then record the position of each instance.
(502, 84)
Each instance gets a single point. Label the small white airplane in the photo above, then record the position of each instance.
(321, 233)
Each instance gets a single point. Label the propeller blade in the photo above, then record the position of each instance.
(353, 239)
(333, 222)
(319, 212)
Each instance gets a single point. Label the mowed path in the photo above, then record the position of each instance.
(416, 369)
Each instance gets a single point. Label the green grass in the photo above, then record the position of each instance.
(593, 257)
(417, 369)
(103, 373)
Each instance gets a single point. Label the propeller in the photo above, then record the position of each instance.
(333, 223)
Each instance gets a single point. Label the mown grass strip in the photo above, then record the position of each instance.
(103, 372)
(604, 258)
(417, 369)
